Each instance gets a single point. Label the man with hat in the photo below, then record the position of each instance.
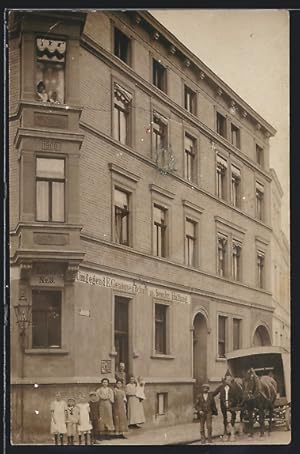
(230, 397)
(206, 408)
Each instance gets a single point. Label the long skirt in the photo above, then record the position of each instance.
(106, 420)
(119, 415)
(135, 411)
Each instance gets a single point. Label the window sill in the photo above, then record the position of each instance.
(221, 360)
(162, 356)
(46, 351)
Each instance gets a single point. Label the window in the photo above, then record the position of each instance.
(236, 333)
(221, 177)
(161, 328)
(50, 189)
(159, 75)
(121, 208)
(259, 194)
(159, 231)
(160, 137)
(222, 336)
(50, 70)
(236, 260)
(122, 46)
(161, 403)
(46, 319)
(122, 106)
(259, 155)
(260, 269)
(235, 136)
(222, 253)
(190, 100)
(189, 158)
(221, 125)
(190, 243)
(235, 186)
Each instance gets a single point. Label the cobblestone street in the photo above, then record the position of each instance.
(277, 437)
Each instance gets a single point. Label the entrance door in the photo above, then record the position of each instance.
(121, 331)
(199, 352)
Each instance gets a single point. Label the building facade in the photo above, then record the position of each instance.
(140, 214)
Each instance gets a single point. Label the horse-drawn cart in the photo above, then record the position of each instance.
(271, 361)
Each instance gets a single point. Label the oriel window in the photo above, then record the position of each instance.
(260, 269)
(121, 208)
(159, 231)
(189, 158)
(235, 136)
(161, 328)
(236, 260)
(189, 100)
(159, 74)
(50, 70)
(259, 195)
(122, 46)
(190, 243)
(235, 186)
(50, 189)
(222, 336)
(221, 177)
(222, 256)
(46, 319)
(122, 109)
(221, 125)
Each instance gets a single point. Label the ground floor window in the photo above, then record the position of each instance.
(161, 403)
(46, 319)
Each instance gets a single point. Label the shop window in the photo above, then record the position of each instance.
(235, 186)
(222, 321)
(260, 269)
(221, 125)
(122, 109)
(50, 70)
(161, 328)
(236, 260)
(121, 213)
(159, 75)
(122, 46)
(190, 100)
(236, 333)
(259, 195)
(235, 136)
(221, 177)
(159, 231)
(46, 319)
(161, 403)
(50, 189)
(189, 158)
(190, 243)
(222, 256)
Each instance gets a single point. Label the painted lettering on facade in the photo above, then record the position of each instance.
(131, 287)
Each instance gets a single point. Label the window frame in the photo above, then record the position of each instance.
(163, 231)
(126, 110)
(238, 245)
(235, 186)
(194, 239)
(190, 157)
(165, 403)
(260, 269)
(261, 150)
(237, 141)
(128, 60)
(239, 343)
(225, 239)
(221, 116)
(259, 201)
(221, 177)
(193, 100)
(169, 330)
(128, 216)
(159, 71)
(57, 348)
(224, 341)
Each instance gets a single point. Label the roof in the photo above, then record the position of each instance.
(255, 351)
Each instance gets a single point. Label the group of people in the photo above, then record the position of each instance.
(43, 96)
(108, 412)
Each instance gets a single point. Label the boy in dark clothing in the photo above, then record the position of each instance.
(206, 408)
(94, 415)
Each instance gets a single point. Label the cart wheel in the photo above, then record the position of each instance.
(288, 419)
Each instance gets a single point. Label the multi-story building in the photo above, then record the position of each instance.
(140, 214)
(280, 270)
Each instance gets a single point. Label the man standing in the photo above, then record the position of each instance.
(206, 408)
(121, 374)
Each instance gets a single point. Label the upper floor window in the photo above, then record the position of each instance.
(159, 75)
(50, 70)
(235, 136)
(189, 158)
(236, 341)
(236, 260)
(122, 46)
(159, 231)
(159, 136)
(121, 123)
(259, 195)
(222, 256)
(221, 125)
(46, 319)
(259, 155)
(190, 242)
(121, 213)
(260, 269)
(50, 189)
(221, 177)
(190, 100)
(222, 321)
(235, 186)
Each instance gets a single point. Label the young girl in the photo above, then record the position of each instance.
(58, 410)
(72, 420)
(119, 409)
(135, 396)
(106, 399)
(84, 426)
(41, 92)
(94, 415)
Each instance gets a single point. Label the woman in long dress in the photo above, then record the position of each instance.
(84, 426)
(58, 410)
(106, 399)
(119, 410)
(135, 409)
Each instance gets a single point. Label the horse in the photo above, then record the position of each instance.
(259, 396)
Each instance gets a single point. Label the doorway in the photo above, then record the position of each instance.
(199, 352)
(121, 333)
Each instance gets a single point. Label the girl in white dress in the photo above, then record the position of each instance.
(84, 426)
(58, 410)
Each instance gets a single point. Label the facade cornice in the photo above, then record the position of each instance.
(45, 133)
(192, 206)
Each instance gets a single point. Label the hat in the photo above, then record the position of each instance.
(205, 385)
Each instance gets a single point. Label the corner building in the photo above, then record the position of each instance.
(139, 214)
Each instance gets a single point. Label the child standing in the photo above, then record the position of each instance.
(58, 410)
(206, 407)
(94, 415)
(72, 420)
(119, 409)
(84, 426)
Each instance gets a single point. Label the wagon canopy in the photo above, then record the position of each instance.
(264, 360)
